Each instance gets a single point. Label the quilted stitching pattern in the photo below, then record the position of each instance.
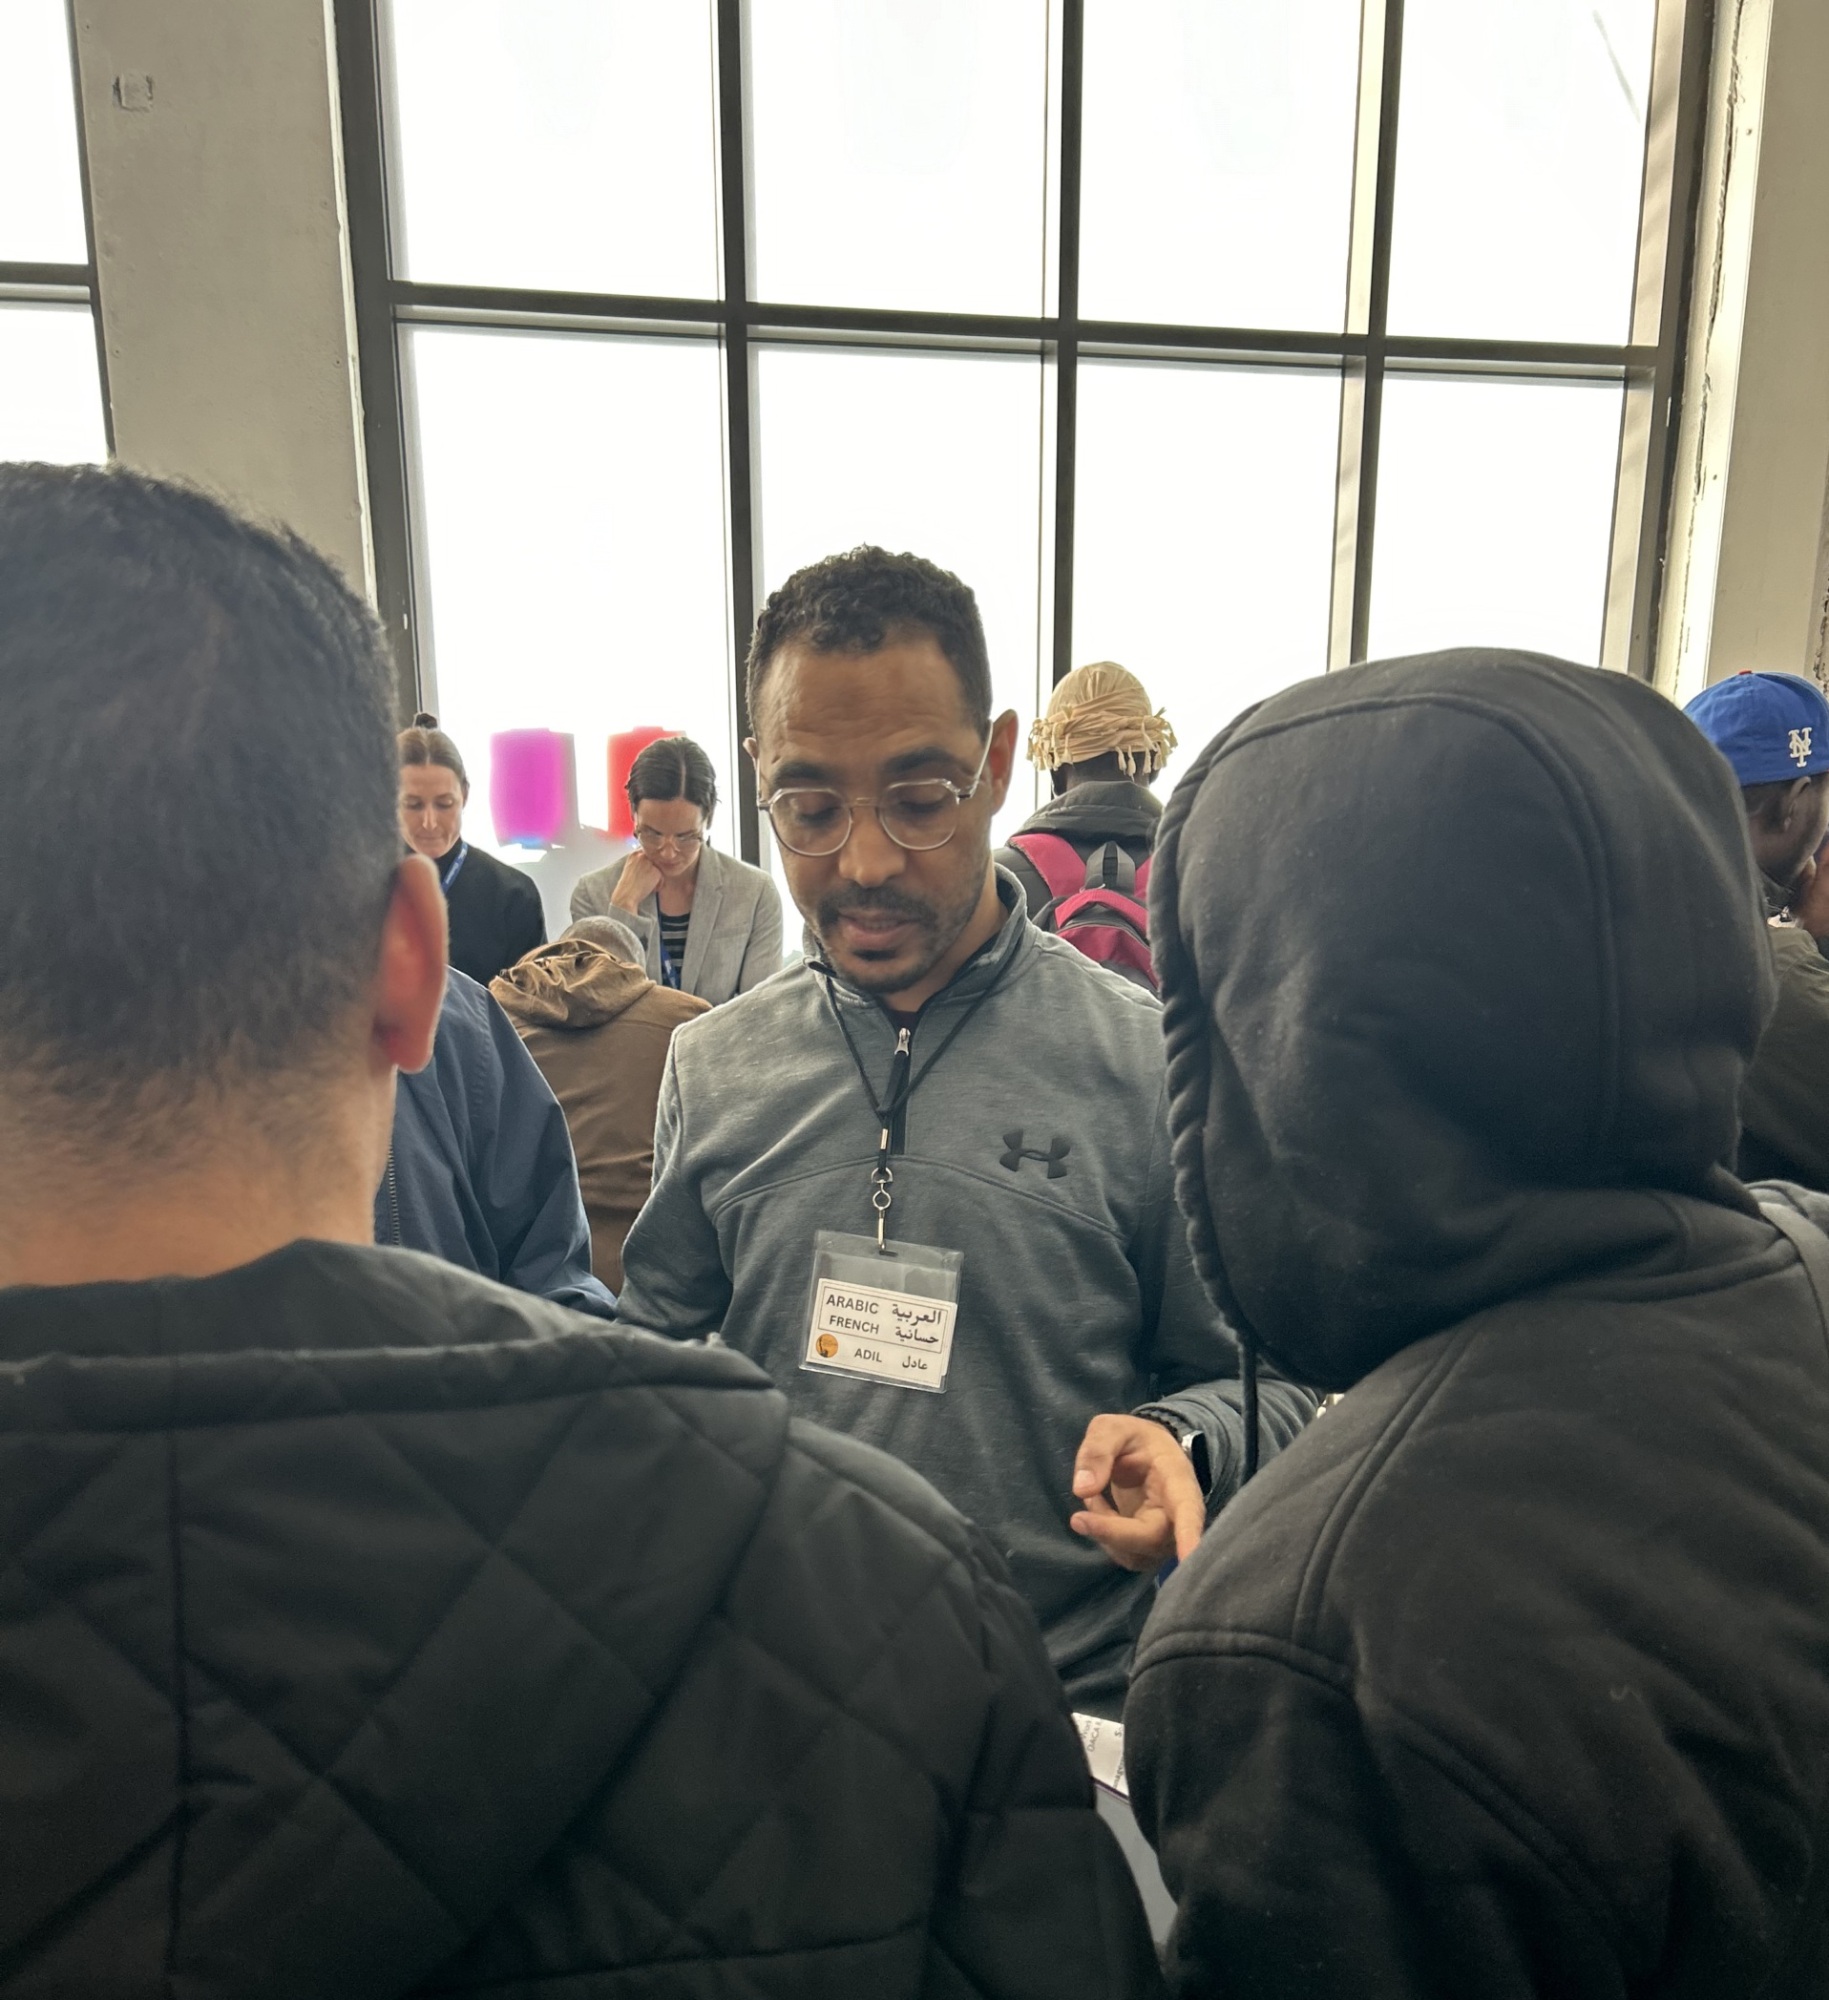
(537, 1658)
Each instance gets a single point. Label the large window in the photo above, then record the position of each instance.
(50, 383)
(1231, 342)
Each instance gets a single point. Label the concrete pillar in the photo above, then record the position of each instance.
(1747, 579)
(221, 251)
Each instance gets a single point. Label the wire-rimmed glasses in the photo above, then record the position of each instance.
(653, 840)
(918, 814)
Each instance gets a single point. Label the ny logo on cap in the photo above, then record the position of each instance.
(1054, 1159)
(1800, 747)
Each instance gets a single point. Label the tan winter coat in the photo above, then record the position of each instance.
(599, 1027)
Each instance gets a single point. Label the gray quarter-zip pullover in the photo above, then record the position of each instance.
(1078, 1294)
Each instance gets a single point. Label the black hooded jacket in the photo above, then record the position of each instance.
(369, 1629)
(1511, 1677)
(1088, 815)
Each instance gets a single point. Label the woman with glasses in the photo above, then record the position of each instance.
(710, 924)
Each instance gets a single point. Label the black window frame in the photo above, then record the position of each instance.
(1650, 369)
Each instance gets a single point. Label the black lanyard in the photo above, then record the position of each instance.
(904, 1081)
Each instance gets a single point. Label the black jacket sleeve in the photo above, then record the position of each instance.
(1039, 1900)
(1031, 1897)
(1322, 1844)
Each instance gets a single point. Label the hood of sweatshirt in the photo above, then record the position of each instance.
(570, 983)
(1462, 963)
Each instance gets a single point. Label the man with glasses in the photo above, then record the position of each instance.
(923, 1178)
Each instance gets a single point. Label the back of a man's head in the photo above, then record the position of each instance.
(1424, 1057)
(197, 825)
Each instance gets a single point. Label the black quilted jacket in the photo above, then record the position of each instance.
(367, 1629)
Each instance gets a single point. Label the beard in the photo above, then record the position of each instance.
(937, 927)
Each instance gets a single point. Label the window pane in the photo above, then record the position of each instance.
(41, 189)
(1217, 172)
(940, 454)
(50, 386)
(570, 493)
(1204, 533)
(899, 153)
(1495, 515)
(566, 144)
(1520, 152)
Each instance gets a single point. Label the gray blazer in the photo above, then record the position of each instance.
(734, 941)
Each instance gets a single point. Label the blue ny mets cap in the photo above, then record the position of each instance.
(1768, 726)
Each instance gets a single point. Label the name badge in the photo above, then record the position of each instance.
(882, 1315)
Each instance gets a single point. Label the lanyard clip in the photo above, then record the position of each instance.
(880, 1198)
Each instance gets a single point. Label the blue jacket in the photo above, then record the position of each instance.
(481, 1172)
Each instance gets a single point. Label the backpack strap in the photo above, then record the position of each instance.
(1055, 860)
(1111, 869)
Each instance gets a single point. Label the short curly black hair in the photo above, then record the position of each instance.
(865, 599)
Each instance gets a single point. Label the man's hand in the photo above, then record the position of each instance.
(1141, 1502)
(637, 882)
(1810, 899)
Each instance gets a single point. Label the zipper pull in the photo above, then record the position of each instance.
(895, 1099)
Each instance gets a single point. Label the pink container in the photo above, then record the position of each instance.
(530, 786)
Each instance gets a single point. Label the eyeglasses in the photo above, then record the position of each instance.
(918, 814)
(654, 840)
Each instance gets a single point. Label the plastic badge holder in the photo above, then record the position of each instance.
(882, 1315)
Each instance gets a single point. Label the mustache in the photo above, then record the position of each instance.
(884, 902)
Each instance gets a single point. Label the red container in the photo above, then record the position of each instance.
(625, 746)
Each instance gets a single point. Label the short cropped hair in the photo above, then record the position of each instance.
(866, 599)
(674, 767)
(197, 798)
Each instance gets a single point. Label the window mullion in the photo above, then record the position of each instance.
(1368, 295)
(1673, 150)
(1067, 311)
(737, 229)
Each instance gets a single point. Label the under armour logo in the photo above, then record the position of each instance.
(1054, 1159)
(1800, 747)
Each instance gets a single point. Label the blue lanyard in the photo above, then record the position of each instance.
(457, 866)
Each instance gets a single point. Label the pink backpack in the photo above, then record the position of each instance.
(1100, 905)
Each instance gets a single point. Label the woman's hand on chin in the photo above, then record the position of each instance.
(639, 880)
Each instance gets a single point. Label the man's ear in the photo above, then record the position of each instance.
(1790, 804)
(1002, 760)
(410, 972)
